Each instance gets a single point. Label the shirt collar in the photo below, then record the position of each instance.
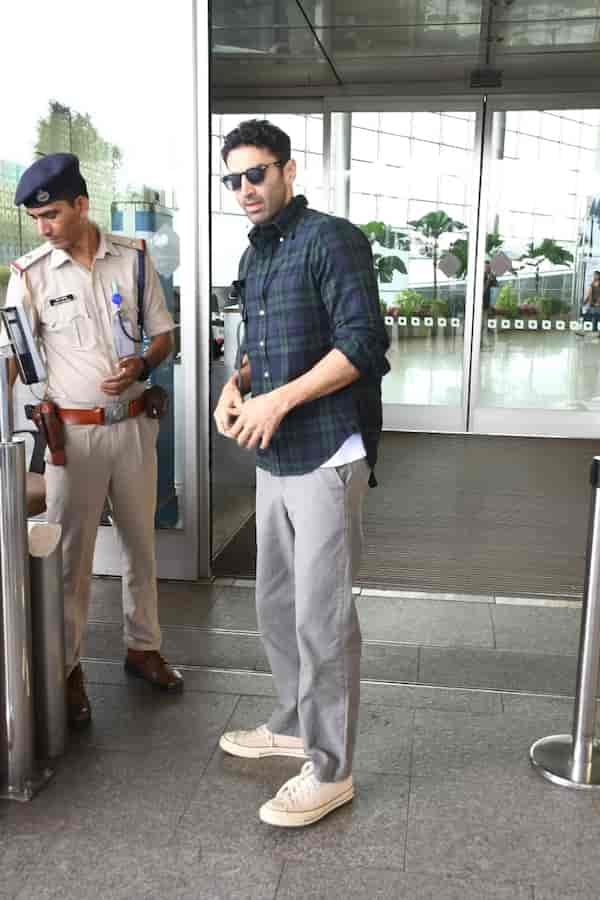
(281, 224)
(105, 246)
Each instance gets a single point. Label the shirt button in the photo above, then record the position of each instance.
(261, 312)
(262, 343)
(266, 374)
(281, 240)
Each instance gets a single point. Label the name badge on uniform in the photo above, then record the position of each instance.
(66, 298)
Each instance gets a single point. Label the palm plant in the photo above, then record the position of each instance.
(548, 250)
(391, 239)
(432, 226)
(460, 249)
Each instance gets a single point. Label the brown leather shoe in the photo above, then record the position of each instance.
(79, 711)
(152, 667)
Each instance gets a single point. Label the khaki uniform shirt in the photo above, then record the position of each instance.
(71, 312)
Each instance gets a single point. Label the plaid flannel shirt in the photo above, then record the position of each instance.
(307, 285)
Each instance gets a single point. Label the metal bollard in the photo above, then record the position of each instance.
(573, 760)
(48, 639)
(20, 778)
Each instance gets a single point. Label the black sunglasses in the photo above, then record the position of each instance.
(255, 175)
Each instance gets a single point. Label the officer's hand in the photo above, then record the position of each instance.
(258, 420)
(229, 405)
(130, 368)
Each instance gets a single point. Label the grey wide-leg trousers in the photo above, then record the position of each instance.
(309, 537)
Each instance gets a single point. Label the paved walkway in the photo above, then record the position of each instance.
(146, 807)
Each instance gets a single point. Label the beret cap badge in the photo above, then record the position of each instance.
(42, 196)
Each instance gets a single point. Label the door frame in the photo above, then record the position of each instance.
(184, 554)
(506, 420)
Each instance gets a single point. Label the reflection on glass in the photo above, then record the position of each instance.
(410, 192)
(133, 165)
(540, 327)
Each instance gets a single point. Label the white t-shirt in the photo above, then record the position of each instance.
(352, 449)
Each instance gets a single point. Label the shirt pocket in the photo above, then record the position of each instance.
(69, 323)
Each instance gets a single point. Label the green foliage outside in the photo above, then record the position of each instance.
(432, 226)
(391, 239)
(507, 301)
(460, 249)
(547, 250)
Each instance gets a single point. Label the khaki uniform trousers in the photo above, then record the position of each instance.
(116, 461)
(309, 540)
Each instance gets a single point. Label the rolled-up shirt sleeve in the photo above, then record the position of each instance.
(343, 265)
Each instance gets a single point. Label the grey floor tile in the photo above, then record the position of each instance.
(499, 670)
(184, 728)
(194, 647)
(537, 628)
(382, 745)
(434, 622)
(426, 697)
(121, 781)
(370, 830)
(318, 882)
(223, 815)
(381, 662)
(78, 868)
(17, 856)
(535, 705)
(569, 887)
(181, 645)
(197, 679)
(461, 742)
(389, 662)
(233, 607)
(512, 825)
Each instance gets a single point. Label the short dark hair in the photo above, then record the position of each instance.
(258, 133)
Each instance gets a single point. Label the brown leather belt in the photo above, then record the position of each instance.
(103, 415)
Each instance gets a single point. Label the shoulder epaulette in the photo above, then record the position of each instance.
(124, 241)
(28, 259)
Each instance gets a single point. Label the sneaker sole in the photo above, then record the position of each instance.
(298, 819)
(257, 752)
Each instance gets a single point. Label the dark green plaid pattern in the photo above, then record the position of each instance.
(308, 286)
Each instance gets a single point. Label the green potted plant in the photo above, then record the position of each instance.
(431, 227)
(507, 303)
(411, 303)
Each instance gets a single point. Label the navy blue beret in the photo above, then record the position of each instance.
(50, 178)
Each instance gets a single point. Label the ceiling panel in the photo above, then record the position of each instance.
(343, 44)
(284, 43)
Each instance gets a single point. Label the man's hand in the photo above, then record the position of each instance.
(258, 420)
(130, 368)
(229, 406)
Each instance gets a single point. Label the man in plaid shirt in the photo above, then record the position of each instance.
(313, 359)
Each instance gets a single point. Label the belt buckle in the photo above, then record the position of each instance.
(115, 412)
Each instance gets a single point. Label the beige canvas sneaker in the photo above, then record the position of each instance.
(260, 742)
(304, 799)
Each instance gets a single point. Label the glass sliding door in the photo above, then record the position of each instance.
(537, 354)
(409, 177)
(135, 136)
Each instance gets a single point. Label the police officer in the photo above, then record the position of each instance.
(80, 290)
